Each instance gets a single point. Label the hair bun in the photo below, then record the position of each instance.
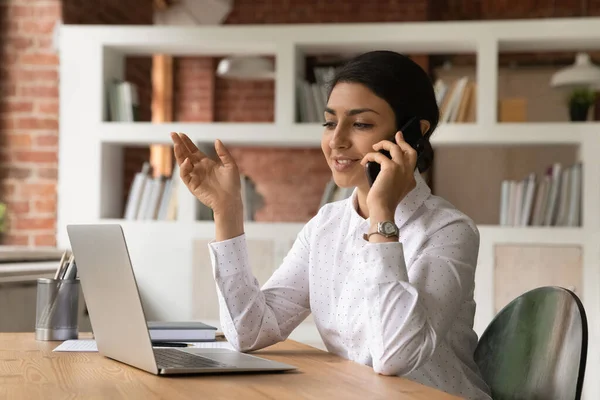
(426, 158)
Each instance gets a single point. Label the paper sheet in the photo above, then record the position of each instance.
(77, 345)
(90, 345)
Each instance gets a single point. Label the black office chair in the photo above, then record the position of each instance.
(536, 347)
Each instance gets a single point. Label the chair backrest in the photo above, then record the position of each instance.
(536, 347)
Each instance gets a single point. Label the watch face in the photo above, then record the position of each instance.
(388, 228)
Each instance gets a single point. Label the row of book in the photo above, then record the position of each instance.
(311, 98)
(456, 100)
(152, 198)
(123, 101)
(155, 198)
(551, 200)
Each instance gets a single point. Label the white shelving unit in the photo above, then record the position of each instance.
(90, 162)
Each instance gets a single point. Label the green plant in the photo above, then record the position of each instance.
(583, 97)
(2, 218)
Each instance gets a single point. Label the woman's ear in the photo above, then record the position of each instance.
(425, 125)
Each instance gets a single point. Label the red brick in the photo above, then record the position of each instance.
(48, 173)
(48, 107)
(17, 207)
(14, 172)
(44, 240)
(38, 25)
(50, 140)
(21, 43)
(36, 156)
(39, 91)
(15, 140)
(32, 74)
(45, 206)
(16, 106)
(39, 59)
(37, 123)
(7, 122)
(15, 239)
(35, 223)
(37, 190)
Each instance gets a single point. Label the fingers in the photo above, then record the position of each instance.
(183, 147)
(401, 152)
(195, 153)
(224, 154)
(179, 149)
(409, 152)
(377, 157)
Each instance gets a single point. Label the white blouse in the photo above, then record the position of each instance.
(404, 308)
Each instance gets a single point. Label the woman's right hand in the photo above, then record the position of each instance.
(215, 183)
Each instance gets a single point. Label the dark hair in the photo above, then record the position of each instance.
(402, 83)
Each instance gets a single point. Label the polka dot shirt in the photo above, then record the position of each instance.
(403, 308)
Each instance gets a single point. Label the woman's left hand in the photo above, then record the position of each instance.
(396, 178)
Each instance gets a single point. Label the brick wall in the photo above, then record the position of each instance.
(29, 119)
(29, 104)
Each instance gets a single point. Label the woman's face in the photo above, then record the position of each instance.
(355, 119)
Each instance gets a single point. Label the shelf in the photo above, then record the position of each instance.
(309, 134)
(509, 134)
(421, 37)
(246, 134)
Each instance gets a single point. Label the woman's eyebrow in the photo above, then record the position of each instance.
(351, 112)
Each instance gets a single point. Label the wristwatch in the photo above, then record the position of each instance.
(385, 228)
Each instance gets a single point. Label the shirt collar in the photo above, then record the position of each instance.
(405, 209)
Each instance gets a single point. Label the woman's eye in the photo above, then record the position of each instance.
(329, 124)
(360, 125)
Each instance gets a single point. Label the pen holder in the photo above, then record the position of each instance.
(56, 314)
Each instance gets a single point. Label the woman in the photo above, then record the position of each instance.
(397, 298)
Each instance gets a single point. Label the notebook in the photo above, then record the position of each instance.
(184, 331)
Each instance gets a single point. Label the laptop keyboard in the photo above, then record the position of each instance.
(173, 358)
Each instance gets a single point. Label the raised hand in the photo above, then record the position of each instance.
(216, 183)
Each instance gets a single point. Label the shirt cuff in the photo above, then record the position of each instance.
(383, 262)
(229, 257)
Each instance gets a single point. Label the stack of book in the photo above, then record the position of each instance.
(551, 200)
(457, 100)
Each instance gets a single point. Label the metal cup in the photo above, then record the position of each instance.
(57, 309)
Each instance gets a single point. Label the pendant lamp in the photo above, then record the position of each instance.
(246, 68)
(581, 73)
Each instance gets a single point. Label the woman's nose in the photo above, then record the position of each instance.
(339, 139)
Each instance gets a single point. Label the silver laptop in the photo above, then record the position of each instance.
(117, 315)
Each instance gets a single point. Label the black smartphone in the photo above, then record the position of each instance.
(411, 130)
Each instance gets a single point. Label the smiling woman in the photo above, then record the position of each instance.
(388, 273)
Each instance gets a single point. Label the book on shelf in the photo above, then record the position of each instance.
(123, 101)
(312, 97)
(456, 100)
(152, 198)
(553, 199)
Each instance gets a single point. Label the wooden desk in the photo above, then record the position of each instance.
(30, 370)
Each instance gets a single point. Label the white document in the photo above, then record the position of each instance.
(77, 345)
(90, 345)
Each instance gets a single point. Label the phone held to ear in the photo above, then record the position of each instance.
(411, 131)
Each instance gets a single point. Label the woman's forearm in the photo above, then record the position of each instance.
(229, 223)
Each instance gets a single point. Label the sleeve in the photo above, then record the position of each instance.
(410, 311)
(253, 318)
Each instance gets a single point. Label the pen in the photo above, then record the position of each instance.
(170, 344)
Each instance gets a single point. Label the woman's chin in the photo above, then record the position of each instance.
(343, 180)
